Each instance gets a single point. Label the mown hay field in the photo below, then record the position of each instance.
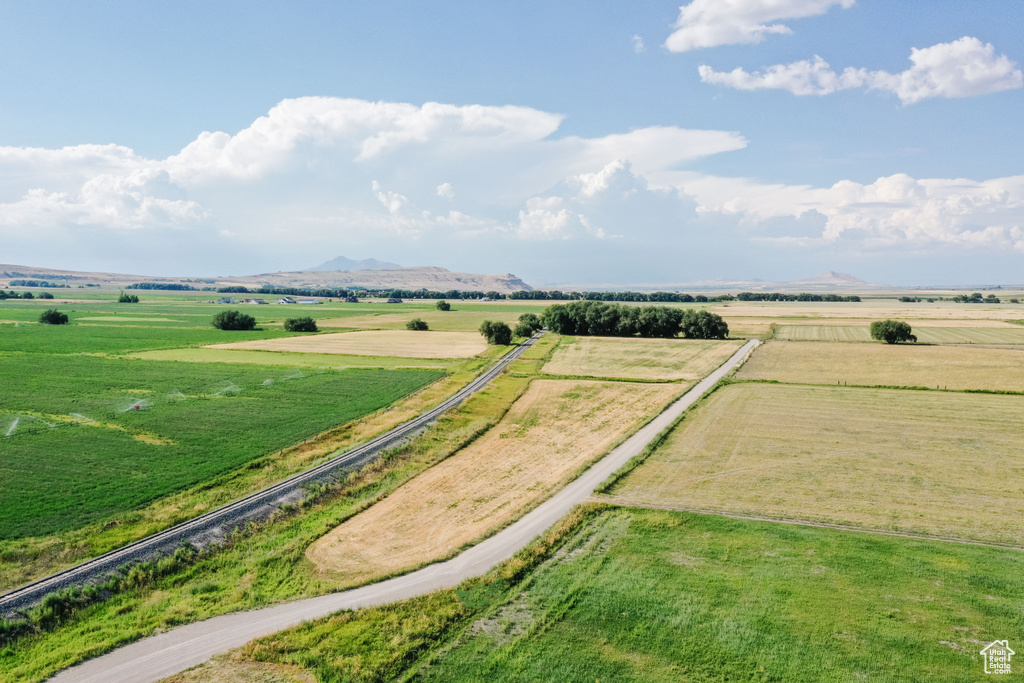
(946, 367)
(400, 343)
(549, 433)
(925, 335)
(458, 319)
(932, 462)
(634, 358)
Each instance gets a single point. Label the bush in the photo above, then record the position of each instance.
(27, 295)
(529, 323)
(51, 316)
(891, 331)
(45, 295)
(416, 324)
(127, 299)
(443, 305)
(234, 320)
(497, 333)
(305, 324)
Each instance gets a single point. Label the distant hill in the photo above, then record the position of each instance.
(342, 263)
(831, 277)
(426, 277)
(432, 278)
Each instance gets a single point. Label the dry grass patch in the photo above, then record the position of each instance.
(235, 670)
(401, 343)
(913, 461)
(554, 429)
(635, 358)
(950, 367)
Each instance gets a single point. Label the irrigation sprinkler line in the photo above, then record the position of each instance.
(23, 596)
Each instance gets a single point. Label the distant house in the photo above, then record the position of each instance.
(393, 300)
(307, 302)
(226, 300)
(486, 298)
(286, 300)
(253, 301)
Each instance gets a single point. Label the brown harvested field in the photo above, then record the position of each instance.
(951, 367)
(868, 310)
(1003, 334)
(635, 358)
(555, 428)
(400, 343)
(455, 320)
(948, 464)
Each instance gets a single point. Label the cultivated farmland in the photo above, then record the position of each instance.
(952, 367)
(556, 427)
(916, 461)
(650, 359)
(401, 343)
(925, 335)
(88, 437)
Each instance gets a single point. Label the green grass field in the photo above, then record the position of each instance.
(199, 419)
(659, 596)
(642, 595)
(300, 360)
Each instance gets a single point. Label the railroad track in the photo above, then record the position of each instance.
(213, 525)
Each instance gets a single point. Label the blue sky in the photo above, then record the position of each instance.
(596, 142)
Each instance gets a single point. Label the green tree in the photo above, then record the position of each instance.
(416, 324)
(52, 316)
(45, 295)
(234, 320)
(497, 333)
(443, 305)
(892, 331)
(305, 324)
(703, 325)
(127, 298)
(27, 295)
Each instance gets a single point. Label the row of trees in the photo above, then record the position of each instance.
(37, 283)
(613, 320)
(170, 286)
(24, 295)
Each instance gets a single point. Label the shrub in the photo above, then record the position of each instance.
(497, 333)
(529, 323)
(443, 305)
(127, 299)
(305, 324)
(51, 316)
(891, 331)
(27, 295)
(45, 295)
(234, 320)
(416, 324)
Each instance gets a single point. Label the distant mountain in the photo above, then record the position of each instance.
(342, 263)
(831, 277)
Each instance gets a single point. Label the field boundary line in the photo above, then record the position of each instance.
(212, 526)
(623, 502)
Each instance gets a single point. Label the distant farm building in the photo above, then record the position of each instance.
(286, 300)
(253, 301)
(226, 300)
(309, 301)
(393, 300)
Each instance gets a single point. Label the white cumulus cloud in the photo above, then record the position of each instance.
(708, 23)
(962, 68)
